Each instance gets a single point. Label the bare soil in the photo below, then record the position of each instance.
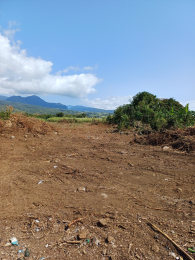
(58, 181)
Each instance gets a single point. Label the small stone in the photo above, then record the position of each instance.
(109, 239)
(8, 244)
(173, 232)
(123, 152)
(80, 189)
(172, 254)
(95, 241)
(104, 252)
(155, 248)
(12, 137)
(166, 148)
(84, 252)
(104, 195)
(25, 136)
(82, 234)
(102, 222)
(179, 190)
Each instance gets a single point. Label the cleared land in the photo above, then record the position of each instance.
(58, 181)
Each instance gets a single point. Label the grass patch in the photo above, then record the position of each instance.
(75, 120)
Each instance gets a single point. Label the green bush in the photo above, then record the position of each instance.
(159, 114)
(59, 114)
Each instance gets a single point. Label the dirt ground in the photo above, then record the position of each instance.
(83, 191)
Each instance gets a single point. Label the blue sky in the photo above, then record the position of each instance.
(98, 53)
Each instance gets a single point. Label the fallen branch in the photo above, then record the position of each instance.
(73, 242)
(75, 221)
(174, 243)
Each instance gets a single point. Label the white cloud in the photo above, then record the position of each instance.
(109, 103)
(87, 68)
(21, 74)
(74, 69)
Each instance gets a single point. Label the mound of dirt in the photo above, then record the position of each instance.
(181, 139)
(21, 123)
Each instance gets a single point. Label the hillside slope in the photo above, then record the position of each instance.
(89, 109)
(37, 101)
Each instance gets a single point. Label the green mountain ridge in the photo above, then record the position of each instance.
(33, 109)
(35, 100)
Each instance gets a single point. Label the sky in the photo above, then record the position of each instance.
(98, 53)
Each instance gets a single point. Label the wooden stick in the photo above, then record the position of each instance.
(73, 242)
(76, 220)
(174, 243)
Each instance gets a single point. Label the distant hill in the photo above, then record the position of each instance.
(36, 101)
(32, 109)
(89, 109)
(3, 98)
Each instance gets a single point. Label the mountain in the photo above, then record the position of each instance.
(89, 109)
(35, 100)
(32, 109)
(3, 97)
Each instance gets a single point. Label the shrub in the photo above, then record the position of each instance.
(59, 114)
(159, 114)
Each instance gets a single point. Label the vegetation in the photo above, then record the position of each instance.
(76, 120)
(46, 112)
(6, 114)
(147, 111)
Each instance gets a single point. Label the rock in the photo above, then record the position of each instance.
(123, 152)
(179, 190)
(12, 137)
(155, 248)
(82, 234)
(102, 222)
(104, 252)
(166, 148)
(95, 241)
(84, 252)
(25, 136)
(121, 133)
(104, 195)
(172, 254)
(80, 189)
(109, 239)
